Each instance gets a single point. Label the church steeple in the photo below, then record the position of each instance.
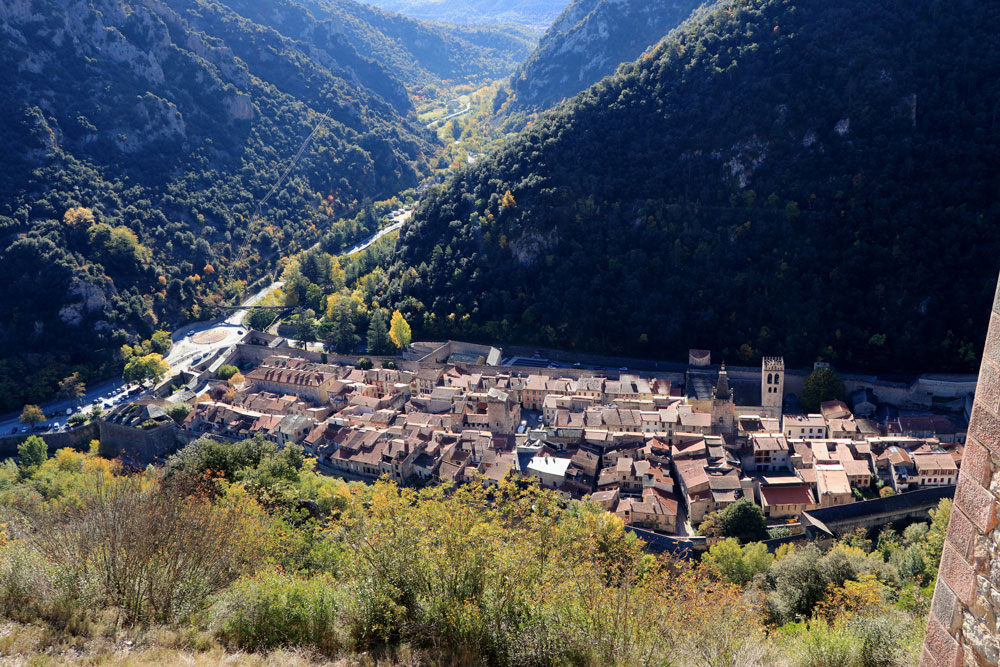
(722, 392)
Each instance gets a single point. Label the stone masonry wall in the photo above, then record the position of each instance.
(962, 628)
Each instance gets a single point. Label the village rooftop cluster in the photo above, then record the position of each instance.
(659, 455)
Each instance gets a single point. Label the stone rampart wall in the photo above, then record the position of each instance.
(78, 438)
(962, 627)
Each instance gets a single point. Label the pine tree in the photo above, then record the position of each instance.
(378, 334)
(342, 338)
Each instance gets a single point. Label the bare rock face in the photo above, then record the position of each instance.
(88, 299)
(587, 43)
(240, 107)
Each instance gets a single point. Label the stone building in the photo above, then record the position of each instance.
(772, 385)
(723, 406)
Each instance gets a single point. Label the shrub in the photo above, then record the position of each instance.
(823, 645)
(364, 363)
(25, 583)
(883, 640)
(735, 564)
(274, 610)
(153, 551)
(226, 371)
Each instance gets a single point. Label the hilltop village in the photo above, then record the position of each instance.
(660, 455)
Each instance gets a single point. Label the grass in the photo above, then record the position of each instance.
(38, 646)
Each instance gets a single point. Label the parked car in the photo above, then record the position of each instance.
(69, 411)
(14, 430)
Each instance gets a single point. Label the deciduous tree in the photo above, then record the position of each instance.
(31, 415)
(399, 331)
(823, 384)
(72, 388)
(31, 453)
(147, 367)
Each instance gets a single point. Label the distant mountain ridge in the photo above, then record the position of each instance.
(534, 13)
(414, 51)
(588, 42)
(809, 179)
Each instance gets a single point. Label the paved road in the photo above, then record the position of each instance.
(56, 410)
(204, 338)
(198, 338)
(468, 107)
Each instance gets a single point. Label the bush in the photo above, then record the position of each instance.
(883, 640)
(25, 583)
(154, 552)
(364, 363)
(736, 564)
(226, 371)
(274, 610)
(822, 645)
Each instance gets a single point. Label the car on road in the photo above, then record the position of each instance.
(14, 430)
(69, 411)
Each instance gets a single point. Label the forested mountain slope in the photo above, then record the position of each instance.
(161, 124)
(534, 13)
(806, 179)
(587, 43)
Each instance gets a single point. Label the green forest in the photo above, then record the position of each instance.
(808, 179)
(233, 548)
(162, 158)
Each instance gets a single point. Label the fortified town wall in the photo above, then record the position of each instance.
(962, 628)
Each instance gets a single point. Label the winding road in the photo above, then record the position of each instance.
(468, 107)
(189, 341)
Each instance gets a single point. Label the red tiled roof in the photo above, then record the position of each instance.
(798, 494)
